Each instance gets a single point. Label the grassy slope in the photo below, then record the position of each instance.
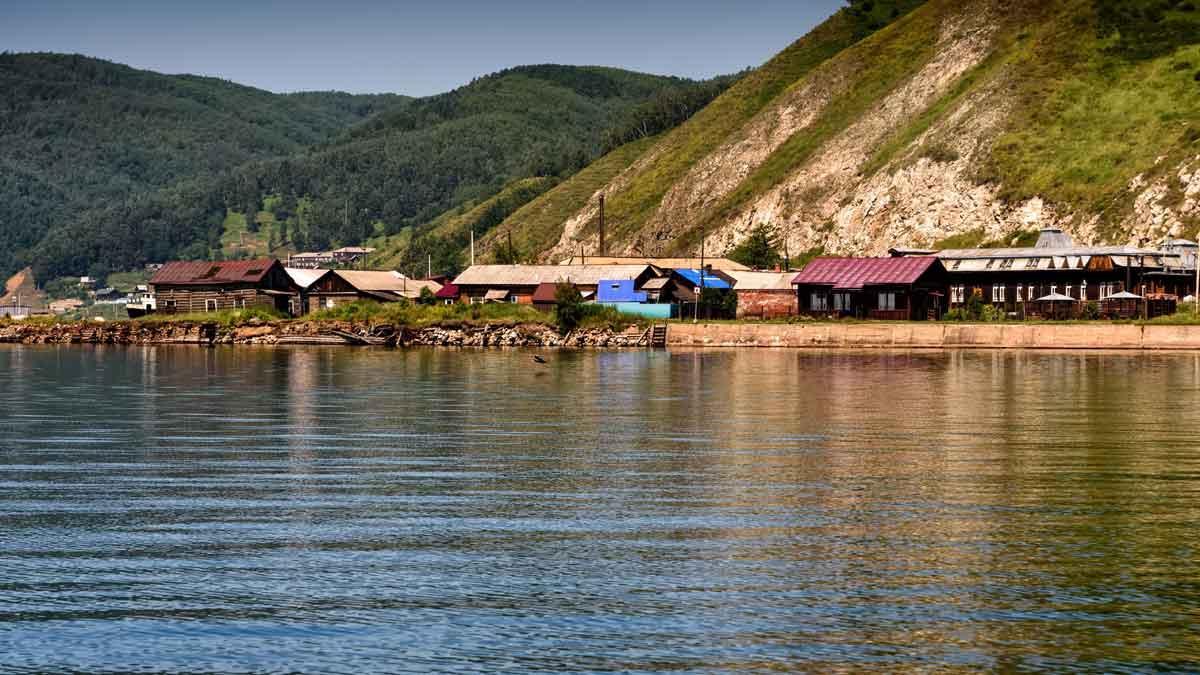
(1088, 118)
(457, 224)
(721, 120)
(538, 225)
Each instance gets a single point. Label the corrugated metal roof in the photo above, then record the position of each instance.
(545, 293)
(1052, 237)
(855, 273)
(181, 273)
(723, 264)
(762, 281)
(618, 290)
(532, 275)
(448, 291)
(1033, 252)
(376, 280)
(710, 280)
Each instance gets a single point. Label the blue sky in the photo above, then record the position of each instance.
(415, 48)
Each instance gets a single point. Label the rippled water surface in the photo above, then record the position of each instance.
(180, 509)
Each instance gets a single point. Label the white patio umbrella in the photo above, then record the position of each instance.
(1123, 295)
(1055, 297)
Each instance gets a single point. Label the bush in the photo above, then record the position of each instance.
(568, 307)
(427, 297)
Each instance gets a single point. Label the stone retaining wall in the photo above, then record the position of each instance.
(934, 335)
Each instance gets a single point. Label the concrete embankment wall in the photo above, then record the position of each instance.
(934, 336)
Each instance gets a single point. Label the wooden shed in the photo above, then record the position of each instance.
(181, 287)
(898, 288)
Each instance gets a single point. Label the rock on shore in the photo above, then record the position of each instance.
(310, 332)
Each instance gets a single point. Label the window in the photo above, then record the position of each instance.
(958, 295)
(1032, 293)
(1083, 290)
(841, 302)
(1067, 292)
(1007, 264)
(887, 301)
(240, 303)
(818, 302)
(328, 303)
(1053, 289)
(210, 305)
(998, 293)
(1031, 263)
(1020, 293)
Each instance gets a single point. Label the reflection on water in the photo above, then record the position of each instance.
(339, 510)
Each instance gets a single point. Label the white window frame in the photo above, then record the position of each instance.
(818, 302)
(1020, 293)
(886, 301)
(210, 305)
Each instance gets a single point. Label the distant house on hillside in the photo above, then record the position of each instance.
(181, 287)
(342, 256)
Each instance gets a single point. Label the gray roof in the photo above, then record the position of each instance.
(1052, 237)
(1035, 252)
(761, 281)
(532, 275)
(304, 277)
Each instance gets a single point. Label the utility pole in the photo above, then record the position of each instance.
(472, 245)
(429, 266)
(512, 252)
(603, 250)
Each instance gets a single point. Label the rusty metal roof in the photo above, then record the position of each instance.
(202, 273)
(855, 273)
(545, 293)
(449, 290)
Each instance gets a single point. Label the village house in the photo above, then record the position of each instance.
(764, 295)
(1053, 274)
(181, 287)
(518, 283)
(65, 305)
(896, 288)
(347, 255)
(338, 287)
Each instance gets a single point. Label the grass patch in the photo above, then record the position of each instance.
(491, 314)
(225, 317)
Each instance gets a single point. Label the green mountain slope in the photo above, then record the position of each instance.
(109, 167)
(76, 132)
(973, 119)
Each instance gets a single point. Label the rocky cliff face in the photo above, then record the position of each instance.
(978, 119)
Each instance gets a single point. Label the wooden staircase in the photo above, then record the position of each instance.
(656, 336)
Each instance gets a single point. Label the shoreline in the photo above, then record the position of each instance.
(915, 335)
(814, 335)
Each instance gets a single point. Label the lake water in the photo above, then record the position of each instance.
(178, 509)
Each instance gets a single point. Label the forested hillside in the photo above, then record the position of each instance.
(78, 133)
(971, 120)
(106, 167)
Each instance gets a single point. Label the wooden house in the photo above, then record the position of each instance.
(181, 287)
(1011, 279)
(339, 287)
(518, 283)
(897, 288)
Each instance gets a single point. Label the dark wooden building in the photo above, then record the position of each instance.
(897, 288)
(1012, 279)
(181, 287)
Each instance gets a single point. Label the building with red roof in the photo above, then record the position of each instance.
(200, 286)
(899, 288)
